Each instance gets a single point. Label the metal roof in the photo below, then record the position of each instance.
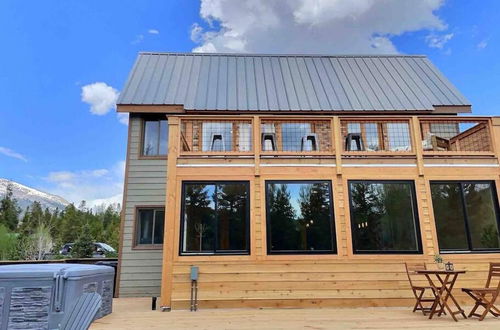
(289, 82)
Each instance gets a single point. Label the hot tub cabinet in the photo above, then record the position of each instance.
(301, 180)
(39, 296)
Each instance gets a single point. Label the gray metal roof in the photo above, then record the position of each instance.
(288, 82)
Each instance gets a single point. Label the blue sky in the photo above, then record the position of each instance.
(49, 138)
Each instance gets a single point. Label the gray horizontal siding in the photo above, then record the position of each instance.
(146, 179)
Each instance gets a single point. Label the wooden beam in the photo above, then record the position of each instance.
(416, 138)
(337, 138)
(171, 218)
(142, 108)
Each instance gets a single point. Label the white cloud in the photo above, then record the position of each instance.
(101, 97)
(96, 186)
(482, 45)
(438, 41)
(122, 118)
(311, 26)
(11, 153)
(153, 31)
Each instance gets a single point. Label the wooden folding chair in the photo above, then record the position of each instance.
(418, 290)
(486, 296)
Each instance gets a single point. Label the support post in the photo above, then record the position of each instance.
(170, 214)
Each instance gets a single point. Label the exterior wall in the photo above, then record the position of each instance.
(343, 279)
(140, 269)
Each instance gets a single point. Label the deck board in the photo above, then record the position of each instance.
(135, 313)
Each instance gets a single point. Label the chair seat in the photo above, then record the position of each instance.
(485, 290)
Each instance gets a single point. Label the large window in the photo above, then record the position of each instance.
(149, 226)
(300, 217)
(155, 138)
(215, 218)
(384, 217)
(466, 215)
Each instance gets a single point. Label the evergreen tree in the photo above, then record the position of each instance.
(84, 245)
(9, 210)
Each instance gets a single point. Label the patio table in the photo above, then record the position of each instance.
(443, 291)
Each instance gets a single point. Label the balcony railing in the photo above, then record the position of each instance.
(455, 136)
(275, 136)
(214, 136)
(377, 136)
(285, 136)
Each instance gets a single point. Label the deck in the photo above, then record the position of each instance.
(135, 313)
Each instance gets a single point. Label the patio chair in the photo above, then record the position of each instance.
(358, 140)
(486, 296)
(418, 290)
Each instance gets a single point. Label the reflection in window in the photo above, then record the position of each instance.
(155, 141)
(217, 136)
(150, 226)
(466, 215)
(299, 217)
(293, 133)
(215, 217)
(384, 217)
(399, 136)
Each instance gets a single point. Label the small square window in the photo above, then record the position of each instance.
(149, 226)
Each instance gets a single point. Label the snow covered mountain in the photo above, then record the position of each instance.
(26, 196)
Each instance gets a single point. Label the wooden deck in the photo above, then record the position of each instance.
(135, 313)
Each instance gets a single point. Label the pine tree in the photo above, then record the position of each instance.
(9, 210)
(84, 245)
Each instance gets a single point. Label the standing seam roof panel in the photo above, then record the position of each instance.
(289, 82)
(293, 101)
(317, 84)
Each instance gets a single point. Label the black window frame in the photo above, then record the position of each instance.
(216, 236)
(470, 250)
(137, 227)
(143, 136)
(416, 218)
(333, 232)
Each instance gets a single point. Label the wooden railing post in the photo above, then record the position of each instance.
(417, 144)
(337, 138)
(170, 215)
(256, 143)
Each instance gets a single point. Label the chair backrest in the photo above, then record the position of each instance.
(493, 275)
(411, 268)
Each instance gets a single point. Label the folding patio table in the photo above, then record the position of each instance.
(443, 291)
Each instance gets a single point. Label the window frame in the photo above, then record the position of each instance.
(143, 136)
(418, 232)
(333, 251)
(216, 235)
(135, 244)
(461, 183)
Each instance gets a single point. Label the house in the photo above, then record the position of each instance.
(301, 180)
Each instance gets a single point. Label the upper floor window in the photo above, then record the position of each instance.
(384, 217)
(155, 138)
(466, 215)
(149, 226)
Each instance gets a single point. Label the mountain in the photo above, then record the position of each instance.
(26, 196)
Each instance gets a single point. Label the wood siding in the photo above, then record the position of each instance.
(140, 269)
(342, 279)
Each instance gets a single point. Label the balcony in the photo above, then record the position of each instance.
(335, 137)
(448, 137)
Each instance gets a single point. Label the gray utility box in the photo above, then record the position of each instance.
(38, 296)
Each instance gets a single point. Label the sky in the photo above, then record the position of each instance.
(63, 64)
